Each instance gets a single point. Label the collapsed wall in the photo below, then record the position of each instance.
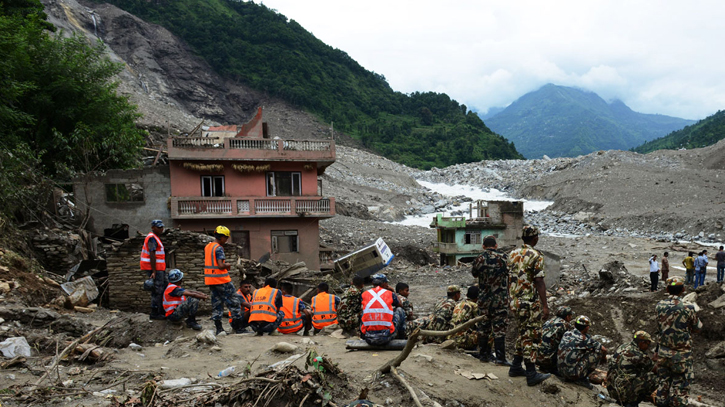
(184, 251)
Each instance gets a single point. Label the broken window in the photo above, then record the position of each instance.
(212, 185)
(128, 192)
(284, 183)
(285, 241)
(473, 238)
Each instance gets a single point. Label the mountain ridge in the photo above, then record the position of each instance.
(705, 132)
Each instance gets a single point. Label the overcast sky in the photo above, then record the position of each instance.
(657, 56)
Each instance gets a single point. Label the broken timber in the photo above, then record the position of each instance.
(395, 344)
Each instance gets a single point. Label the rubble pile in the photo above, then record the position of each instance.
(59, 249)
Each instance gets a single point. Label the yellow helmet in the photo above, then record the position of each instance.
(222, 230)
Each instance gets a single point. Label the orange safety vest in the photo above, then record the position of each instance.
(323, 310)
(292, 320)
(146, 255)
(248, 297)
(377, 313)
(213, 275)
(171, 302)
(263, 305)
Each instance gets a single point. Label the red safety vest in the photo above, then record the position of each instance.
(323, 310)
(213, 275)
(377, 310)
(292, 320)
(171, 302)
(248, 297)
(263, 305)
(146, 255)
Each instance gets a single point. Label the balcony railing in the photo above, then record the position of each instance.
(220, 207)
(209, 148)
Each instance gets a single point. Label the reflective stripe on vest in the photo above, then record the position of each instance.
(171, 302)
(323, 311)
(241, 309)
(160, 254)
(292, 321)
(213, 274)
(377, 310)
(263, 305)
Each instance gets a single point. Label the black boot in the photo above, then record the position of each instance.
(499, 345)
(532, 376)
(484, 350)
(191, 323)
(516, 369)
(238, 326)
(218, 326)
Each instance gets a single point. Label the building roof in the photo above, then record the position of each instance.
(231, 127)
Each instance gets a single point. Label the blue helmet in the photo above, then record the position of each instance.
(175, 276)
(157, 223)
(148, 285)
(380, 277)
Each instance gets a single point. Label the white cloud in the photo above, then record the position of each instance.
(656, 56)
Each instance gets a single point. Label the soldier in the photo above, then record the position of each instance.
(676, 323)
(465, 311)
(551, 335)
(216, 276)
(528, 300)
(493, 300)
(348, 316)
(440, 319)
(402, 290)
(579, 354)
(153, 262)
(382, 314)
(631, 379)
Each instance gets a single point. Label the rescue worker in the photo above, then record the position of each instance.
(324, 307)
(244, 294)
(463, 312)
(348, 315)
(266, 313)
(631, 377)
(296, 314)
(153, 262)
(216, 276)
(402, 291)
(676, 322)
(382, 315)
(528, 301)
(551, 334)
(579, 354)
(491, 269)
(440, 319)
(177, 306)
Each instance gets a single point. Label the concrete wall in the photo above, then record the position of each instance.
(260, 236)
(138, 215)
(185, 249)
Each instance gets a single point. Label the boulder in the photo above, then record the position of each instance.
(718, 303)
(717, 351)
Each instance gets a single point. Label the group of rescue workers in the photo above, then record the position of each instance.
(507, 283)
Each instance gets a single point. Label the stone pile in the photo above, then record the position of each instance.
(58, 249)
(184, 250)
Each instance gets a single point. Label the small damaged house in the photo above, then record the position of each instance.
(460, 238)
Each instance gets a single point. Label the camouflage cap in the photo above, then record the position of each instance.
(676, 280)
(583, 320)
(453, 289)
(642, 336)
(564, 311)
(530, 231)
(380, 277)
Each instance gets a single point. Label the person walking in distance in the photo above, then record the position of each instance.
(689, 264)
(720, 257)
(665, 266)
(700, 268)
(654, 273)
(153, 262)
(216, 276)
(528, 300)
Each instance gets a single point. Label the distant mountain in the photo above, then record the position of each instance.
(492, 111)
(561, 121)
(706, 132)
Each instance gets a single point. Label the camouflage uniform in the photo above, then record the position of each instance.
(493, 297)
(578, 355)
(465, 311)
(407, 307)
(630, 378)
(188, 308)
(551, 334)
(348, 316)
(224, 294)
(439, 320)
(525, 264)
(676, 322)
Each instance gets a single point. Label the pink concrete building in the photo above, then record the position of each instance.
(265, 191)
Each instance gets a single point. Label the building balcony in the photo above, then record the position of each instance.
(445, 248)
(251, 207)
(321, 152)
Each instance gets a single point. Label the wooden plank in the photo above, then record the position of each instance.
(359, 344)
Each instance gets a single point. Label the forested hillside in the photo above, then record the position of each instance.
(706, 132)
(561, 121)
(253, 44)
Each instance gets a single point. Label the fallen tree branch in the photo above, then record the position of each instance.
(454, 330)
(406, 385)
